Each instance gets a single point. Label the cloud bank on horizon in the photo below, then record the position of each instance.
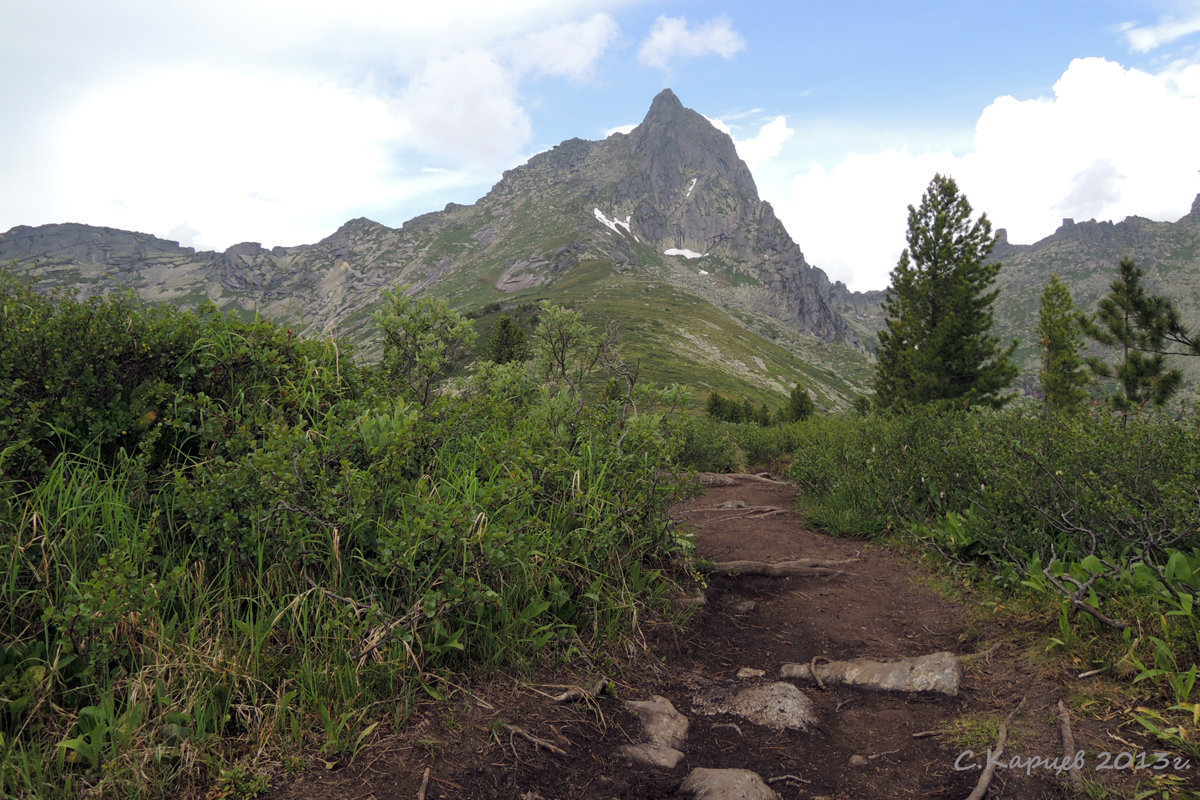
(219, 122)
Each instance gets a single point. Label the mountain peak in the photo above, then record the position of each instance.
(665, 102)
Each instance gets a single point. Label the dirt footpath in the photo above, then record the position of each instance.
(511, 739)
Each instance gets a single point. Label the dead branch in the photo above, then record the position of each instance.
(990, 769)
(424, 785)
(590, 692)
(536, 741)
(1081, 591)
(780, 569)
(728, 725)
(926, 734)
(747, 509)
(985, 654)
(1068, 741)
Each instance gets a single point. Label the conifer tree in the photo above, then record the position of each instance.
(1140, 324)
(1060, 328)
(800, 405)
(937, 343)
(507, 342)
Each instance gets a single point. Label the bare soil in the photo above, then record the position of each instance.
(881, 606)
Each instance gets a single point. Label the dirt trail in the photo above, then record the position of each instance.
(863, 743)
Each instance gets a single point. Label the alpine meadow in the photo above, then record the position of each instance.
(275, 521)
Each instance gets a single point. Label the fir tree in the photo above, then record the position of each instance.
(800, 405)
(1060, 328)
(507, 342)
(1140, 324)
(937, 343)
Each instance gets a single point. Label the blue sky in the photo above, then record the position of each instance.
(277, 120)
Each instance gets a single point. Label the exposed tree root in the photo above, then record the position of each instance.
(990, 769)
(731, 478)
(583, 692)
(1068, 740)
(781, 569)
(536, 741)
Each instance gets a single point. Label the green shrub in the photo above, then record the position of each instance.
(218, 534)
(707, 446)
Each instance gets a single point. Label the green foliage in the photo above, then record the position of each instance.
(800, 405)
(936, 344)
(707, 446)
(507, 342)
(1064, 373)
(1139, 324)
(422, 340)
(723, 409)
(291, 543)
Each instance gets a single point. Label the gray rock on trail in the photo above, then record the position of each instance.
(726, 784)
(936, 672)
(777, 706)
(662, 723)
(666, 728)
(651, 754)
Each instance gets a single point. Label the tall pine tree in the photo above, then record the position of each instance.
(937, 343)
(1141, 325)
(1060, 328)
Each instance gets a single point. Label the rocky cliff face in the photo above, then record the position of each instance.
(1085, 256)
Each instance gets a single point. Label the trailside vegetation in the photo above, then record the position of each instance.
(223, 543)
(937, 344)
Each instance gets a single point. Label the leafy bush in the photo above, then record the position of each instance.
(707, 446)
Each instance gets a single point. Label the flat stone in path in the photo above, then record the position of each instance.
(936, 672)
(777, 706)
(651, 754)
(726, 784)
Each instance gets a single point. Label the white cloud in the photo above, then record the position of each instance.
(274, 120)
(465, 108)
(1110, 143)
(1144, 38)
(218, 157)
(620, 129)
(762, 146)
(570, 50)
(766, 144)
(671, 38)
